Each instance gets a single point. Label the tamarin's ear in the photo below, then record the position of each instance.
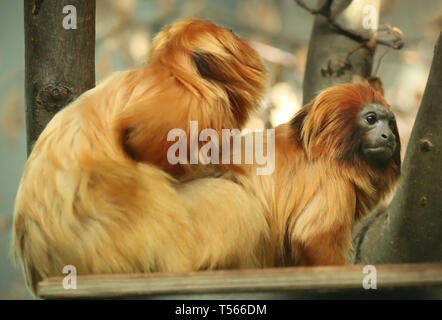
(210, 67)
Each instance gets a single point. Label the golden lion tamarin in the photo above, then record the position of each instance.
(93, 196)
(96, 191)
(335, 160)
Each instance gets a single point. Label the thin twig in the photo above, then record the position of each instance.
(379, 62)
(360, 46)
(395, 44)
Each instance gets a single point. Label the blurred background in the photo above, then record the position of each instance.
(279, 31)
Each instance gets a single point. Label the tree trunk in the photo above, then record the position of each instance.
(59, 62)
(411, 229)
(333, 57)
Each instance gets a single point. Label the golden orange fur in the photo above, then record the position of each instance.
(321, 184)
(83, 201)
(96, 192)
(197, 71)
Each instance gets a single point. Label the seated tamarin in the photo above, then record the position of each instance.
(334, 161)
(98, 191)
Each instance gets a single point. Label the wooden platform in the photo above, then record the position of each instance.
(242, 281)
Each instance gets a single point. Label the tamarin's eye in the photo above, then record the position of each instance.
(371, 119)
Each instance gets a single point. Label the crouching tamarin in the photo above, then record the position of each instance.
(98, 191)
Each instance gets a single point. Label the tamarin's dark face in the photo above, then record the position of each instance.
(349, 123)
(379, 138)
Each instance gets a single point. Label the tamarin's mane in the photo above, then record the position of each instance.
(325, 129)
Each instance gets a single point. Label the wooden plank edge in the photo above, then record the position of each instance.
(223, 281)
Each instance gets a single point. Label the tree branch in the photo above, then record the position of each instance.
(333, 57)
(59, 63)
(410, 229)
(397, 43)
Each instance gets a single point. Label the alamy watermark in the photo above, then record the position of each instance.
(70, 20)
(370, 280)
(70, 281)
(370, 20)
(247, 148)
